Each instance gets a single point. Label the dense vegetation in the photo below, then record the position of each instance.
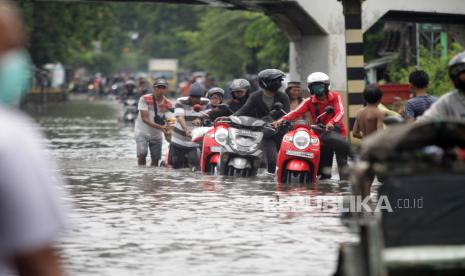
(110, 37)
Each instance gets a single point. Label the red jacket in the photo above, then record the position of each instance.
(308, 105)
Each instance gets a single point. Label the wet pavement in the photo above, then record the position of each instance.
(129, 220)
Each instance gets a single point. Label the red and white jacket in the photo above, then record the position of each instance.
(162, 108)
(317, 107)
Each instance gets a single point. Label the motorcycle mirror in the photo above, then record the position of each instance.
(329, 110)
(197, 108)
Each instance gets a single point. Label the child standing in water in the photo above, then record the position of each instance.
(369, 119)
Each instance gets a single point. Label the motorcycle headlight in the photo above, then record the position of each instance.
(301, 140)
(221, 135)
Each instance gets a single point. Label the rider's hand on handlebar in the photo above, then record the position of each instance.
(197, 122)
(329, 126)
(222, 118)
(277, 123)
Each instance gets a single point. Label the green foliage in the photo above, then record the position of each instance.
(272, 44)
(219, 45)
(432, 64)
(227, 43)
(232, 43)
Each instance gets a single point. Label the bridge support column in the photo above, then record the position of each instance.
(319, 53)
(354, 57)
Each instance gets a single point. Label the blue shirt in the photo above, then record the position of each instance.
(415, 107)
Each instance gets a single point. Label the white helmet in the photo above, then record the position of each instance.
(318, 77)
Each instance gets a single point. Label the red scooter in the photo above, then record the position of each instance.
(210, 138)
(299, 155)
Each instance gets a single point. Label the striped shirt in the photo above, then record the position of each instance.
(183, 107)
(415, 107)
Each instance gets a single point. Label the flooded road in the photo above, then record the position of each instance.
(145, 221)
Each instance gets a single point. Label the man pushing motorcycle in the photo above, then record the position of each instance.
(335, 130)
(260, 104)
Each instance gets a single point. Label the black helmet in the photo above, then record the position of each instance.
(270, 79)
(240, 84)
(456, 67)
(196, 90)
(215, 90)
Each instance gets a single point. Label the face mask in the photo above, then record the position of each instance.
(275, 85)
(15, 77)
(318, 89)
(460, 84)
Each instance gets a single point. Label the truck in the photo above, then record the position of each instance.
(167, 69)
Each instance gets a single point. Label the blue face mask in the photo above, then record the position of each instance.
(318, 89)
(15, 77)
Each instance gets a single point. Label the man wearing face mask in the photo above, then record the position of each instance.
(14, 60)
(321, 97)
(261, 103)
(31, 211)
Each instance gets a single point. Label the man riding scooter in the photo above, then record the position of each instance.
(321, 97)
(261, 103)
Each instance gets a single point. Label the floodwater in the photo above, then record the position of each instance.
(129, 220)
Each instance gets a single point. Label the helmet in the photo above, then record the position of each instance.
(456, 67)
(130, 82)
(270, 79)
(215, 90)
(318, 83)
(240, 84)
(196, 90)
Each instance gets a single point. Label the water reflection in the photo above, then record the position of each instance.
(145, 221)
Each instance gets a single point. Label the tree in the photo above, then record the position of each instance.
(432, 64)
(227, 43)
(234, 43)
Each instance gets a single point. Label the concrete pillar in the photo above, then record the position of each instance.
(355, 61)
(319, 53)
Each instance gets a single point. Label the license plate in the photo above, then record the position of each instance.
(215, 149)
(248, 133)
(308, 155)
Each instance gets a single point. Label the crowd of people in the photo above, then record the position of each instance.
(156, 109)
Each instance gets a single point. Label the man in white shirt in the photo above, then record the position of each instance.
(31, 212)
(151, 123)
